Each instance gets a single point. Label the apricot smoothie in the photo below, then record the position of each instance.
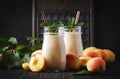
(73, 43)
(54, 51)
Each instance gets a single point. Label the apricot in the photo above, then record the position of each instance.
(36, 52)
(72, 61)
(25, 66)
(102, 53)
(84, 60)
(37, 63)
(110, 55)
(92, 54)
(96, 64)
(88, 49)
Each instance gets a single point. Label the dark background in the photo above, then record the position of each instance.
(107, 26)
(16, 20)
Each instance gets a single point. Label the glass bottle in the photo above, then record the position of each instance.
(54, 49)
(73, 40)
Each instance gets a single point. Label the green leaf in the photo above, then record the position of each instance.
(26, 58)
(23, 48)
(20, 47)
(36, 47)
(71, 21)
(50, 23)
(11, 59)
(52, 26)
(85, 72)
(13, 40)
(31, 39)
(81, 23)
(5, 48)
(60, 24)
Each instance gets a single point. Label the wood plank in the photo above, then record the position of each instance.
(112, 72)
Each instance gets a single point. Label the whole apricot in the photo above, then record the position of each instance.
(96, 64)
(72, 61)
(110, 55)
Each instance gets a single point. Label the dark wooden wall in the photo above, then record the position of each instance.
(107, 24)
(15, 19)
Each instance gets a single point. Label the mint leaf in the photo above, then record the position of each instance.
(31, 39)
(36, 47)
(81, 23)
(26, 58)
(85, 72)
(71, 21)
(13, 40)
(23, 48)
(60, 24)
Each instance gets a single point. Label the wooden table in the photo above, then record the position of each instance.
(112, 72)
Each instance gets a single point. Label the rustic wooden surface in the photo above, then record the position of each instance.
(112, 72)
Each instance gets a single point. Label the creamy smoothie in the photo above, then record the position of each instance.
(54, 51)
(73, 43)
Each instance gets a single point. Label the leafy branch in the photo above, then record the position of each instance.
(14, 54)
(53, 26)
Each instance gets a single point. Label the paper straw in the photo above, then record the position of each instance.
(77, 17)
(44, 16)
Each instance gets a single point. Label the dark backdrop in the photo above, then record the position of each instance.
(15, 19)
(107, 25)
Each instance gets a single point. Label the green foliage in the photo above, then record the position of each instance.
(15, 54)
(82, 72)
(60, 24)
(36, 47)
(71, 23)
(49, 24)
(26, 57)
(81, 23)
(53, 27)
(11, 59)
(13, 40)
(31, 39)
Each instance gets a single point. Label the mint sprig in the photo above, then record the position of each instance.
(52, 26)
(71, 22)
